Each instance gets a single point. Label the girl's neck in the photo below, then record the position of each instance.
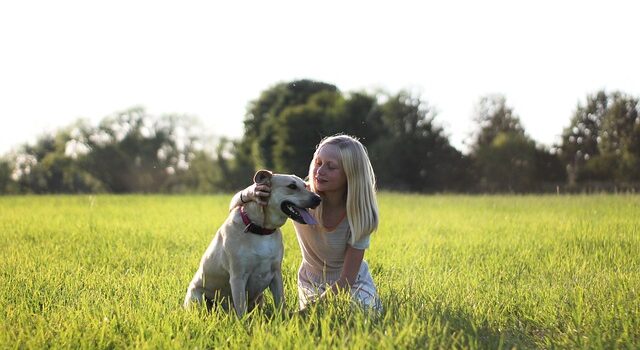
(334, 200)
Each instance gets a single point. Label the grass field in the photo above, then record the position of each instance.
(452, 271)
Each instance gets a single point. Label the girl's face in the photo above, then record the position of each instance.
(328, 174)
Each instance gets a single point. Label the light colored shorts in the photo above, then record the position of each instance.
(312, 284)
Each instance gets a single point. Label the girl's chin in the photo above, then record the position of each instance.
(321, 186)
(326, 189)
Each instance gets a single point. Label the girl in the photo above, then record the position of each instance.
(333, 250)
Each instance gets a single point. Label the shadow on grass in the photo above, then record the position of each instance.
(403, 324)
(444, 326)
(486, 336)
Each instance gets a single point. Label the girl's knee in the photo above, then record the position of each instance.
(368, 301)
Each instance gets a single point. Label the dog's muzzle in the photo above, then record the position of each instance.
(298, 214)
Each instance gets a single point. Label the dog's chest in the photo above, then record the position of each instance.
(256, 252)
(264, 259)
(267, 249)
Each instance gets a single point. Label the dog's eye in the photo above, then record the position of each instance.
(293, 186)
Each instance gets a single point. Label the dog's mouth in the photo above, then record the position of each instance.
(298, 214)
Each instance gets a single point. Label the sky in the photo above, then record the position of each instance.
(65, 60)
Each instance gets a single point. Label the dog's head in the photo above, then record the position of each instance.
(290, 195)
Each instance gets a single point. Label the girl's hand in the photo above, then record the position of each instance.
(258, 193)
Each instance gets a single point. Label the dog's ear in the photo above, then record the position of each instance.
(262, 177)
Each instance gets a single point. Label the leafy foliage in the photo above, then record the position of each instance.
(263, 115)
(602, 141)
(132, 151)
(503, 154)
(414, 154)
(494, 117)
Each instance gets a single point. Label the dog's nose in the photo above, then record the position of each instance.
(315, 201)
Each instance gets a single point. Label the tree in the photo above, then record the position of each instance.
(503, 154)
(580, 139)
(132, 151)
(46, 167)
(620, 136)
(300, 129)
(548, 168)
(359, 114)
(262, 118)
(414, 154)
(602, 141)
(28, 172)
(5, 176)
(507, 164)
(493, 117)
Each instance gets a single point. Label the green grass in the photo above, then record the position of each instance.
(452, 271)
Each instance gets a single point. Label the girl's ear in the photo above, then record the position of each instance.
(262, 177)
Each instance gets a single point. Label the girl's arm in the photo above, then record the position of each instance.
(239, 199)
(352, 260)
(258, 193)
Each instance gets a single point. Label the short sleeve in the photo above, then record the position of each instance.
(363, 243)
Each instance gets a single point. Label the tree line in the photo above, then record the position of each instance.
(132, 151)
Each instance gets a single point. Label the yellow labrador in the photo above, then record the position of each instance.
(245, 255)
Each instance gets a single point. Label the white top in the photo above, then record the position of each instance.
(323, 251)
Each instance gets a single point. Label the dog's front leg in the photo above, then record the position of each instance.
(277, 290)
(239, 293)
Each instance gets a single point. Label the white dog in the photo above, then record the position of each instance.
(245, 255)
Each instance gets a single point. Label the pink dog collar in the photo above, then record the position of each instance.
(253, 228)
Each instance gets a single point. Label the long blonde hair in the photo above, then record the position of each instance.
(362, 205)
